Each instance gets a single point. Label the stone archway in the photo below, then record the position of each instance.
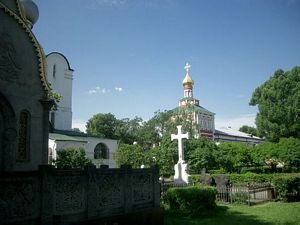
(101, 151)
(8, 135)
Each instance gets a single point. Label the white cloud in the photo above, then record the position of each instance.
(236, 122)
(79, 123)
(119, 89)
(105, 91)
(92, 91)
(99, 90)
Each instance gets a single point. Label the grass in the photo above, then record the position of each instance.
(272, 213)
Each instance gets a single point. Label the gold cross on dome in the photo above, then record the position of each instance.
(187, 67)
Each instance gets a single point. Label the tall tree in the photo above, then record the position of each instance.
(201, 153)
(278, 101)
(128, 130)
(249, 130)
(132, 155)
(232, 156)
(102, 125)
(289, 152)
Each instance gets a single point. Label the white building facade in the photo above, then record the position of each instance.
(100, 151)
(60, 77)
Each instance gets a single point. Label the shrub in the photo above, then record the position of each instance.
(195, 179)
(71, 158)
(192, 200)
(287, 187)
(247, 177)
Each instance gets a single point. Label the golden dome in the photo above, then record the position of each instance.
(187, 80)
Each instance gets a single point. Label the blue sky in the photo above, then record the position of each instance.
(128, 55)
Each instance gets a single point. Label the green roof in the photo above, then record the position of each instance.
(192, 108)
(62, 137)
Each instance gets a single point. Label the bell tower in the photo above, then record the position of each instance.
(188, 98)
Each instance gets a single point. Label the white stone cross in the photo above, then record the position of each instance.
(187, 67)
(180, 136)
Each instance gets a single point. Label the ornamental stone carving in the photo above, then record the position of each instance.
(141, 187)
(8, 64)
(18, 198)
(109, 191)
(70, 195)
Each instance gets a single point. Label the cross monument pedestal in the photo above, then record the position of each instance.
(181, 176)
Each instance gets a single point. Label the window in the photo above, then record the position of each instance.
(24, 136)
(54, 71)
(101, 151)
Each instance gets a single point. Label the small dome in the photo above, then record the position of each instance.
(31, 11)
(187, 80)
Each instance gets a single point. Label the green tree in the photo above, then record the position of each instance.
(265, 151)
(56, 99)
(185, 118)
(232, 156)
(102, 125)
(165, 156)
(132, 155)
(278, 101)
(289, 153)
(200, 153)
(71, 158)
(159, 126)
(249, 130)
(128, 130)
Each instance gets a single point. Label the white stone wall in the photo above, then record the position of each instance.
(112, 146)
(89, 147)
(60, 76)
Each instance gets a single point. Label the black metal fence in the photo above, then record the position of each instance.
(165, 185)
(246, 193)
(235, 193)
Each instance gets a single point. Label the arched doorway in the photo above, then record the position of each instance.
(101, 151)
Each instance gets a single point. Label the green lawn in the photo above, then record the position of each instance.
(273, 213)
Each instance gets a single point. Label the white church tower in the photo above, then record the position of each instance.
(60, 76)
(201, 117)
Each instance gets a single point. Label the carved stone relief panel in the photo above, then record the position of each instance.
(110, 191)
(19, 198)
(24, 136)
(142, 188)
(70, 195)
(9, 68)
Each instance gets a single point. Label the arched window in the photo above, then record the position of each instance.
(24, 134)
(101, 151)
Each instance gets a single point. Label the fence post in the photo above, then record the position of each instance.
(230, 191)
(128, 198)
(91, 191)
(156, 186)
(47, 189)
